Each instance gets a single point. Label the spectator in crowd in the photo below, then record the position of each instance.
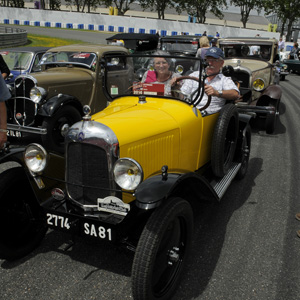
(204, 46)
(220, 87)
(204, 33)
(162, 72)
(213, 42)
(281, 45)
(294, 54)
(4, 68)
(217, 34)
(4, 95)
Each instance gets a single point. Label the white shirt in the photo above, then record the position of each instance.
(219, 83)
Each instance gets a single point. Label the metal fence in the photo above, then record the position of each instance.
(12, 37)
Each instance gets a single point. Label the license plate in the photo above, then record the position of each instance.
(85, 227)
(14, 133)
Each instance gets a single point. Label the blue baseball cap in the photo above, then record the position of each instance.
(214, 52)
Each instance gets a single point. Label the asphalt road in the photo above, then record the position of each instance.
(95, 37)
(245, 248)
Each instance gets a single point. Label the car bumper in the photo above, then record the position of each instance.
(252, 109)
(26, 129)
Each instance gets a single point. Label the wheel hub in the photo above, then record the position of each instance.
(173, 256)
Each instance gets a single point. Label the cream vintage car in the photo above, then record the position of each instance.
(45, 103)
(253, 63)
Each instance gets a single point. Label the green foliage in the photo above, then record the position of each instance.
(199, 8)
(246, 6)
(122, 5)
(46, 41)
(12, 3)
(158, 5)
(82, 4)
(287, 10)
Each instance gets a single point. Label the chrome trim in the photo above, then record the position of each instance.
(94, 133)
(26, 129)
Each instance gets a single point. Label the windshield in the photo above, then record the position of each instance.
(178, 46)
(75, 58)
(17, 60)
(154, 78)
(247, 50)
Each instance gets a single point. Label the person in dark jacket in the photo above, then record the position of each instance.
(4, 68)
(4, 95)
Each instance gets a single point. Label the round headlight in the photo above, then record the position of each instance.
(36, 158)
(179, 69)
(36, 94)
(258, 85)
(128, 173)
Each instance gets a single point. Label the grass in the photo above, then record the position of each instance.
(34, 40)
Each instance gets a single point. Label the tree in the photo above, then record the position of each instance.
(122, 5)
(287, 10)
(199, 8)
(13, 3)
(158, 5)
(82, 4)
(246, 6)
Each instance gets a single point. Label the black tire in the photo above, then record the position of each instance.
(224, 140)
(162, 251)
(245, 152)
(54, 140)
(22, 223)
(282, 77)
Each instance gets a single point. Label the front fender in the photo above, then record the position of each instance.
(53, 104)
(151, 192)
(271, 95)
(12, 155)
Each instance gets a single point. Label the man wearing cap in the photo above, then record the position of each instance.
(218, 86)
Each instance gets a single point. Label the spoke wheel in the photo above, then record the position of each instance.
(162, 251)
(245, 152)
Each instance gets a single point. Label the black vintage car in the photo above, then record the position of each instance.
(136, 42)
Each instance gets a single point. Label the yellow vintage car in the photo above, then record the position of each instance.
(131, 174)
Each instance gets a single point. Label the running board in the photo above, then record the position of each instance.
(220, 186)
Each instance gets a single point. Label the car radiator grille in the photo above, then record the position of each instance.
(242, 77)
(87, 173)
(20, 109)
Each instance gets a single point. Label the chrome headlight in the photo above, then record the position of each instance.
(179, 69)
(128, 173)
(37, 94)
(258, 85)
(36, 158)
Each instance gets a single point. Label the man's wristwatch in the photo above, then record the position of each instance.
(220, 93)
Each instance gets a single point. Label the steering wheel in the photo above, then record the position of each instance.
(189, 97)
(177, 93)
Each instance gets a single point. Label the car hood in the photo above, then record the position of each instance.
(249, 64)
(73, 81)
